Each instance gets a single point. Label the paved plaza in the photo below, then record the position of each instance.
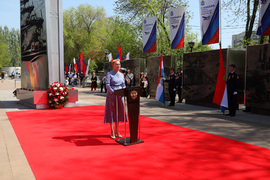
(245, 127)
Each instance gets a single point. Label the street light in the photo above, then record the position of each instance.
(191, 45)
(106, 53)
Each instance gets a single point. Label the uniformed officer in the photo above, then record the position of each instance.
(172, 86)
(179, 84)
(232, 86)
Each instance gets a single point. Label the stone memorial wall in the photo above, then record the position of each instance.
(153, 70)
(258, 79)
(200, 71)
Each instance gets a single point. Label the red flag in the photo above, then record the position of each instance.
(84, 68)
(66, 67)
(220, 96)
(120, 52)
(81, 61)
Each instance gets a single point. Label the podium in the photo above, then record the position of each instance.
(133, 102)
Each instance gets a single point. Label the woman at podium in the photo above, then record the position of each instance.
(114, 80)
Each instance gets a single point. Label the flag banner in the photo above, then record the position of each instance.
(110, 57)
(177, 27)
(66, 69)
(70, 66)
(120, 53)
(127, 56)
(118, 56)
(209, 12)
(79, 66)
(161, 76)
(84, 67)
(149, 34)
(264, 20)
(81, 62)
(87, 68)
(75, 65)
(220, 96)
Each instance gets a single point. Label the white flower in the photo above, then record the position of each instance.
(61, 88)
(56, 94)
(62, 97)
(50, 94)
(58, 85)
(55, 88)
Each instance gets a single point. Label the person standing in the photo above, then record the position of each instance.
(172, 86)
(129, 78)
(94, 82)
(114, 80)
(179, 84)
(2, 76)
(102, 82)
(232, 87)
(145, 85)
(13, 74)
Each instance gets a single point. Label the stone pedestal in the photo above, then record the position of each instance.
(42, 49)
(38, 99)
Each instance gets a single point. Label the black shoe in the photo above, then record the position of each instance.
(179, 101)
(170, 105)
(232, 115)
(227, 114)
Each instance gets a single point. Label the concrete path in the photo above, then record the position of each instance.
(245, 127)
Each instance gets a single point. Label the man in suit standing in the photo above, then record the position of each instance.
(172, 86)
(232, 86)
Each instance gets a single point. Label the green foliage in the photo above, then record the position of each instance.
(4, 59)
(88, 30)
(10, 53)
(135, 10)
(84, 31)
(121, 32)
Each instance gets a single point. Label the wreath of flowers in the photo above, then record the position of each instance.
(57, 95)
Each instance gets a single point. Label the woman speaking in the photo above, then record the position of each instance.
(114, 80)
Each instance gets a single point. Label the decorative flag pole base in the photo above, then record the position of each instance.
(128, 143)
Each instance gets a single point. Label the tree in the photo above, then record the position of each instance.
(10, 47)
(84, 31)
(120, 32)
(135, 10)
(247, 9)
(4, 59)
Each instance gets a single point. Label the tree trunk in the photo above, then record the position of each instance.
(250, 20)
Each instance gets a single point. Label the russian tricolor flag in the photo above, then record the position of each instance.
(220, 96)
(209, 10)
(177, 27)
(161, 76)
(149, 34)
(264, 21)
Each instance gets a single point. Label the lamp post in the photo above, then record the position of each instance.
(191, 45)
(106, 53)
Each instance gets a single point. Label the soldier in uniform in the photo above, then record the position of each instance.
(172, 86)
(232, 86)
(179, 85)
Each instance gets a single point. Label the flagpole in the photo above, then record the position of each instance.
(220, 34)
(157, 37)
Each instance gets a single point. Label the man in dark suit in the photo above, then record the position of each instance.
(232, 87)
(172, 86)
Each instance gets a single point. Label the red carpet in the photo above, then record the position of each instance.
(73, 143)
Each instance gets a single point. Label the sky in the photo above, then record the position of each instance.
(10, 16)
